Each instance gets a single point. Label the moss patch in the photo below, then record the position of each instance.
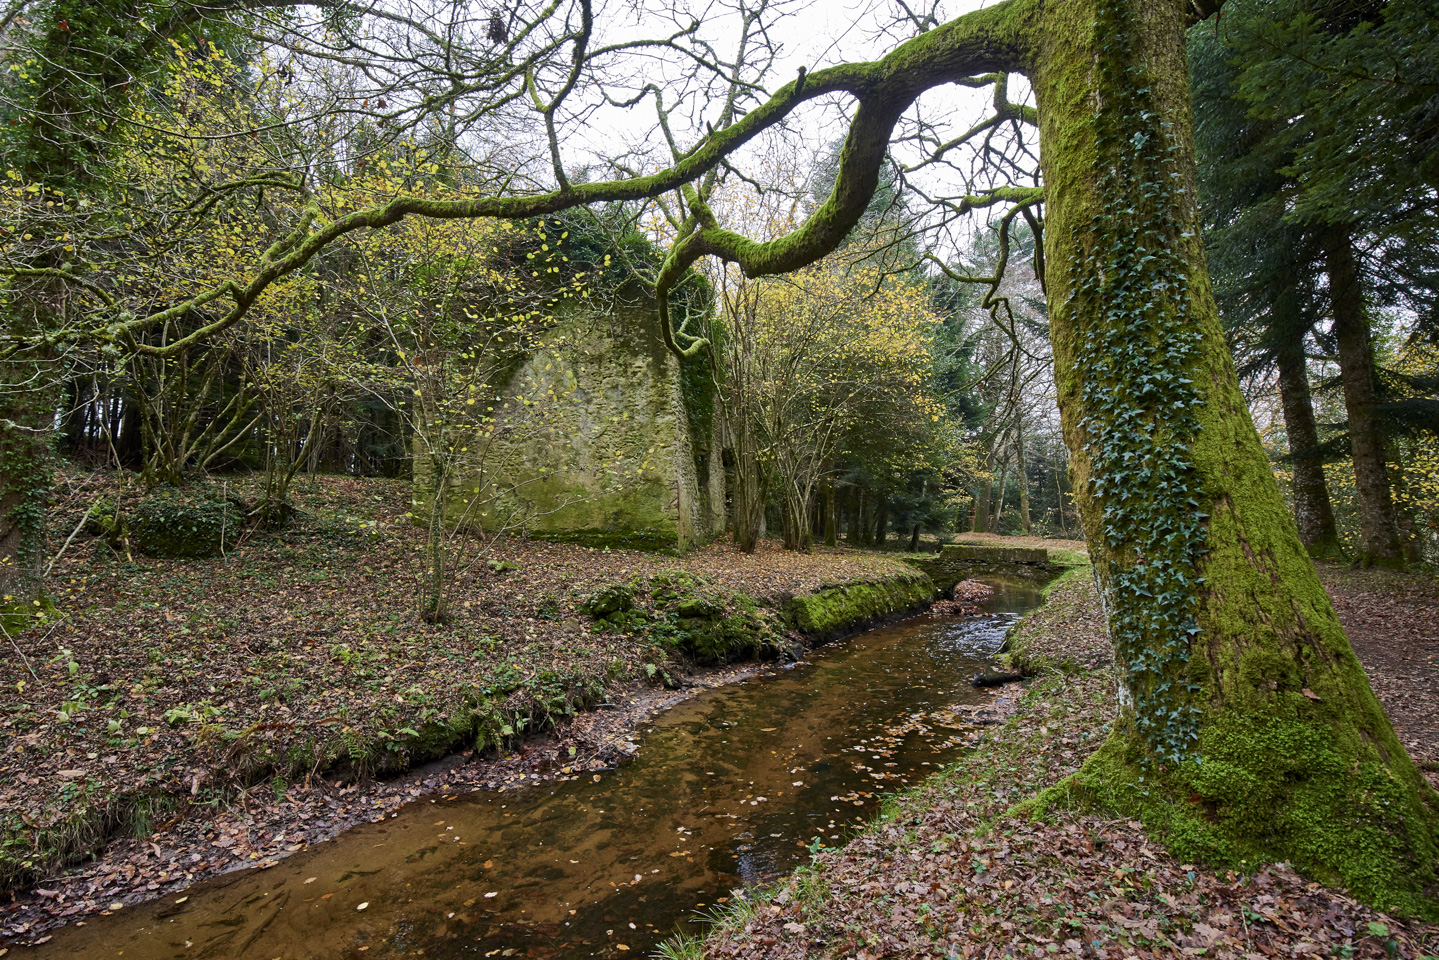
(689, 614)
(833, 612)
(175, 524)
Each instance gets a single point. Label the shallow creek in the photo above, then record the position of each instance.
(728, 789)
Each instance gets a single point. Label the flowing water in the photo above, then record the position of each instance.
(728, 789)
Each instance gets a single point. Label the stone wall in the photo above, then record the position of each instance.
(958, 562)
(598, 442)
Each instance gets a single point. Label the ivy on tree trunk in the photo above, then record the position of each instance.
(1247, 729)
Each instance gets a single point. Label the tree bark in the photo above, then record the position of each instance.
(1247, 729)
(831, 521)
(1059, 501)
(981, 502)
(1022, 472)
(851, 515)
(994, 520)
(1312, 510)
(27, 415)
(1379, 540)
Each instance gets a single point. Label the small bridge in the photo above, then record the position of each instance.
(961, 561)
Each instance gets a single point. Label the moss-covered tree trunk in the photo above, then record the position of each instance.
(1247, 729)
(980, 523)
(1022, 473)
(26, 423)
(1379, 540)
(1312, 509)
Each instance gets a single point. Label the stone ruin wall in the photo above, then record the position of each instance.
(609, 451)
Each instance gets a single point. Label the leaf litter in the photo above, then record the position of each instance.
(189, 718)
(945, 874)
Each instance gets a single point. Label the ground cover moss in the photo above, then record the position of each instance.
(1268, 790)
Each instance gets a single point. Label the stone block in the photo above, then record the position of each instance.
(975, 553)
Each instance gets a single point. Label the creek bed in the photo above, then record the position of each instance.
(729, 789)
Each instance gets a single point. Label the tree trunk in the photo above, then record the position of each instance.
(981, 502)
(1312, 510)
(432, 596)
(881, 520)
(994, 526)
(852, 502)
(1059, 495)
(914, 540)
(1379, 540)
(1023, 475)
(831, 522)
(26, 423)
(1247, 729)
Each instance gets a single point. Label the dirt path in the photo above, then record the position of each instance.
(1392, 620)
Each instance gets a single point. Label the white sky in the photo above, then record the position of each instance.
(809, 33)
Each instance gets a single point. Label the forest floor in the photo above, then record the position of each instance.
(137, 723)
(944, 874)
(301, 639)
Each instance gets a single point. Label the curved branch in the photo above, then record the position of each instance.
(985, 41)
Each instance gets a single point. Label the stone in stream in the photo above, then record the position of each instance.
(994, 678)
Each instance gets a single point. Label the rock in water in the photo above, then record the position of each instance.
(994, 679)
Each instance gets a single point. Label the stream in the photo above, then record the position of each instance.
(731, 788)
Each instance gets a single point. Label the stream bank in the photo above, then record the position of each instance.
(192, 718)
(729, 789)
(946, 872)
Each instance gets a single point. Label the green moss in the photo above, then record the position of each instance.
(835, 611)
(686, 613)
(180, 524)
(18, 615)
(1271, 789)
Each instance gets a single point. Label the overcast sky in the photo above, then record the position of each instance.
(808, 33)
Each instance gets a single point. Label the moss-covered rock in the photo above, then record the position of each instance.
(183, 524)
(604, 604)
(836, 611)
(17, 615)
(994, 554)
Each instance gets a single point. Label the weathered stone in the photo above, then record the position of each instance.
(994, 554)
(596, 443)
(610, 601)
(833, 612)
(182, 524)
